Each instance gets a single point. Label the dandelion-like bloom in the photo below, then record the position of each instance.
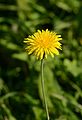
(43, 43)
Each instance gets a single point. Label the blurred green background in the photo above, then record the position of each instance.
(20, 86)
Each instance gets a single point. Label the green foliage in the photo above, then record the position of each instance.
(20, 83)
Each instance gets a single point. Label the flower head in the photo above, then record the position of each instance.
(42, 43)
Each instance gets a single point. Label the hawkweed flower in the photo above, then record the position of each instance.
(41, 44)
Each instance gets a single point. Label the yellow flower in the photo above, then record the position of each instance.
(42, 43)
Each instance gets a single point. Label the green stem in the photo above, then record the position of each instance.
(43, 90)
